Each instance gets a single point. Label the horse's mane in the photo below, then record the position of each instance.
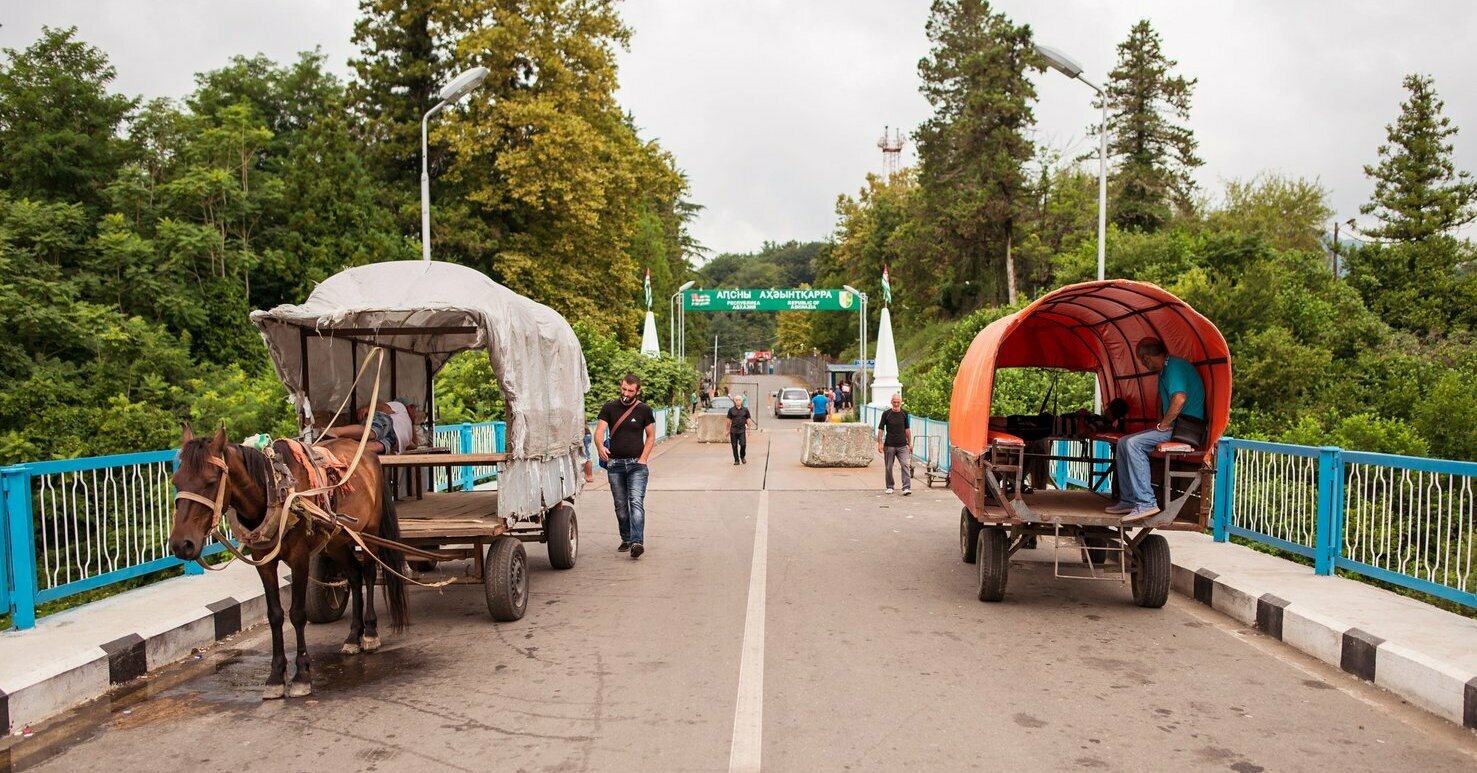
(193, 458)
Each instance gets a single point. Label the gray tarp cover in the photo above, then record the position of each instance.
(538, 361)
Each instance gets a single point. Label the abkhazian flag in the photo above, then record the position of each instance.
(648, 287)
(886, 287)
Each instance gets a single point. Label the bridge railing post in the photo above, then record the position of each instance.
(464, 432)
(1225, 489)
(15, 487)
(1328, 539)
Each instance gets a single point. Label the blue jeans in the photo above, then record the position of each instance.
(628, 488)
(1135, 484)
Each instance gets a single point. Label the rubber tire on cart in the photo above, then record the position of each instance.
(324, 603)
(1100, 549)
(969, 536)
(505, 573)
(562, 530)
(1151, 572)
(994, 562)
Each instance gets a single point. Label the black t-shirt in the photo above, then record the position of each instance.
(896, 423)
(738, 420)
(629, 439)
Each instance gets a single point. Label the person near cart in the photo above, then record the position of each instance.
(739, 419)
(820, 406)
(624, 435)
(1182, 415)
(895, 443)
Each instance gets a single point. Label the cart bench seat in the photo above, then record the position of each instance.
(1180, 451)
(998, 438)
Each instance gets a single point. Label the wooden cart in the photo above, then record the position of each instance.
(1093, 327)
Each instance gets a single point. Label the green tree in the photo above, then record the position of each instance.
(1418, 193)
(972, 150)
(58, 122)
(1288, 213)
(1150, 144)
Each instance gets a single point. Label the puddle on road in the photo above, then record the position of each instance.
(225, 679)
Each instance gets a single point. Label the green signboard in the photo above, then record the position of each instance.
(769, 300)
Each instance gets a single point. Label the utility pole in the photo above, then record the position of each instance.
(1335, 250)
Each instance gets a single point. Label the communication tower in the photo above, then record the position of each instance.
(892, 149)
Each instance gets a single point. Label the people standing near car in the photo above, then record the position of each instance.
(624, 436)
(820, 406)
(738, 430)
(895, 443)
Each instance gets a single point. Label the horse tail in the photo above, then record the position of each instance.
(389, 529)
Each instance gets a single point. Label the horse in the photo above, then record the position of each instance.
(231, 476)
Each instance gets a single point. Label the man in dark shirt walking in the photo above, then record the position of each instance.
(738, 430)
(629, 426)
(895, 442)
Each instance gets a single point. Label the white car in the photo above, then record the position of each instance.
(792, 401)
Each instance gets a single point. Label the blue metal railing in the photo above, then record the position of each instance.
(1406, 520)
(930, 436)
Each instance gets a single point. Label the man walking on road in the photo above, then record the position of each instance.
(738, 430)
(895, 443)
(628, 426)
(820, 406)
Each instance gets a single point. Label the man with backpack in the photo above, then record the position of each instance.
(624, 436)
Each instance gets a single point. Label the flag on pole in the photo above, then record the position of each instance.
(886, 287)
(648, 288)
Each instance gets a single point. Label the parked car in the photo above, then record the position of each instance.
(792, 401)
(720, 404)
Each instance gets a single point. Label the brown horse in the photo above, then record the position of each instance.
(214, 470)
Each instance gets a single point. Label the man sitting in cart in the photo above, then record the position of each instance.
(392, 428)
(1181, 399)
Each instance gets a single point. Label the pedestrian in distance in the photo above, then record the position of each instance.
(820, 406)
(738, 430)
(895, 443)
(625, 434)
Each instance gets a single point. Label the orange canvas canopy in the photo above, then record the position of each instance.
(1093, 326)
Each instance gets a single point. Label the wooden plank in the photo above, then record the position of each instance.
(443, 460)
(450, 516)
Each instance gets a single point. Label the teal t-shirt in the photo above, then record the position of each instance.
(1180, 376)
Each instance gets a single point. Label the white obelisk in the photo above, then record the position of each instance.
(649, 345)
(884, 375)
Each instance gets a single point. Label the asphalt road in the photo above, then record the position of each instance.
(866, 650)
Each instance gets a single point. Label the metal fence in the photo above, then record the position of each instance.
(1406, 520)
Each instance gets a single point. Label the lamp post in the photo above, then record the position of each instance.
(862, 356)
(672, 316)
(1069, 67)
(459, 87)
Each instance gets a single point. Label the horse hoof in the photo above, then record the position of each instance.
(371, 643)
(350, 649)
(300, 690)
(274, 692)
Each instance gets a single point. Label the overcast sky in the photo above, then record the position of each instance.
(774, 107)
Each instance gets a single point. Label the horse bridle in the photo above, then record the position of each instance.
(218, 504)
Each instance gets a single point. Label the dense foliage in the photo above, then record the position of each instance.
(136, 236)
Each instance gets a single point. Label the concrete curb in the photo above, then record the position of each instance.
(66, 661)
(1442, 688)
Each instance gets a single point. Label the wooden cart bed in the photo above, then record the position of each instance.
(451, 514)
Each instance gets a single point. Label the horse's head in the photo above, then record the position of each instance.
(201, 482)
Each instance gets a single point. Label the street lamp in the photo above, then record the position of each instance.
(672, 316)
(461, 86)
(1069, 67)
(862, 356)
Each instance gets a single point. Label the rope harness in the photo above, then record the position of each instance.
(313, 505)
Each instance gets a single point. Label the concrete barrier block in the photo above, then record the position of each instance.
(837, 445)
(1435, 686)
(1314, 634)
(711, 428)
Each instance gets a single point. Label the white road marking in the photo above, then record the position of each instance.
(748, 713)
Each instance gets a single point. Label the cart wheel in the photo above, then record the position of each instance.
(505, 573)
(1151, 572)
(562, 530)
(1098, 549)
(326, 601)
(969, 536)
(993, 561)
